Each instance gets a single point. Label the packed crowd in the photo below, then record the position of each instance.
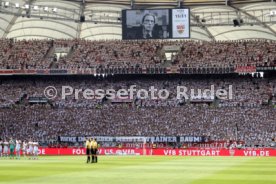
(256, 126)
(40, 54)
(24, 54)
(246, 91)
(220, 54)
(248, 116)
(114, 53)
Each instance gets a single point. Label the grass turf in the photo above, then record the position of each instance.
(140, 170)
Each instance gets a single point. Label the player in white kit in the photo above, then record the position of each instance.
(17, 148)
(6, 149)
(1, 147)
(35, 150)
(24, 148)
(30, 149)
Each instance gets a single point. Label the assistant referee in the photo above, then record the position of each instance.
(94, 151)
(88, 149)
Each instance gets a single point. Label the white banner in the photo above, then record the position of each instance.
(155, 139)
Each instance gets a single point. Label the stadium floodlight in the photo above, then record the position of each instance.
(54, 10)
(7, 4)
(35, 8)
(26, 6)
(46, 9)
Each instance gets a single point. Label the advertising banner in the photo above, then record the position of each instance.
(245, 69)
(248, 152)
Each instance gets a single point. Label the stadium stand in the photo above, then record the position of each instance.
(250, 110)
(91, 54)
(226, 38)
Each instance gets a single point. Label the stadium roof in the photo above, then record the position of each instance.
(210, 19)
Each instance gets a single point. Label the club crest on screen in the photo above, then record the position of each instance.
(180, 28)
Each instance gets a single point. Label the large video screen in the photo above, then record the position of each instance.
(156, 24)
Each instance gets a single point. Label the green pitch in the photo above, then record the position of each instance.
(140, 170)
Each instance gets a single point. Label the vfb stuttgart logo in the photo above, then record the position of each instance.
(180, 28)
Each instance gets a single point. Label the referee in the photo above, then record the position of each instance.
(88, 149)
(94, 151)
